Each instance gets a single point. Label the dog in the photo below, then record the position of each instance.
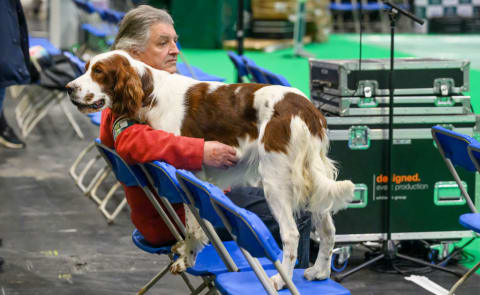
(280, 140)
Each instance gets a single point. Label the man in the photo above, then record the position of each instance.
(14, 62)
(149, 36)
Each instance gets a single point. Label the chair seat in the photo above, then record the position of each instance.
(45, 43)
(209, 262)
(471, 221)
(95, 118)
(235, 283)
(201, 75)
(140, 242)
(100, 31)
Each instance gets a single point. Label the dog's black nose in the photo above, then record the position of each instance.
(69, 88)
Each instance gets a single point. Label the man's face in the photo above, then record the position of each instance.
(161, 50)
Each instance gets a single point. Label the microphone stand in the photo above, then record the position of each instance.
(389, 250)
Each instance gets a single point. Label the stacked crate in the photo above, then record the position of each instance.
(426, 202)
(274, 18)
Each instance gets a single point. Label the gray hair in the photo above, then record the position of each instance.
(134, 30)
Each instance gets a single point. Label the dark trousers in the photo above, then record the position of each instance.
(253, 200)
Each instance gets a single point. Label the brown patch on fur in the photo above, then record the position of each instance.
(87, 65)
(277, 131)
(121, 82)
(147, 86)
(89, 97)
(221, 115)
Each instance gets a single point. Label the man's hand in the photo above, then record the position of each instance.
(219, 155)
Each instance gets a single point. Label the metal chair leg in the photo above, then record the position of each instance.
(111, 216)
(155, 279)
(71, 119)
(464, 278)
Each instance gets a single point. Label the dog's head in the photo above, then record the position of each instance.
(113, 79)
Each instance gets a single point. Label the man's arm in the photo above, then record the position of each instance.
(139, 143)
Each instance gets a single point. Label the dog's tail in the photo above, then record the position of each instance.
(314, 174)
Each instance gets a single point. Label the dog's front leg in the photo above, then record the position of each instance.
(321, 269)
(191, 246)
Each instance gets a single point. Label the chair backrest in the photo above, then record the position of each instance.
(165, 181)
(85, 6)
(247, 228)
(199, 196)
(474, 153)
(255, 72)
(453, 146)
(275, 79)
(239, 63)
(110, 15)
(262, 75)
(126, 174)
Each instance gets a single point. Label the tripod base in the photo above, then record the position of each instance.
(389, 254)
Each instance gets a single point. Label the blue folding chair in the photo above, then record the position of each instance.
(460, 150)
(223, 256)
(185, 69)
(134, 176)
(262, 75)
(254, 240)
(240, 66)
(97, 35)
(453, 149)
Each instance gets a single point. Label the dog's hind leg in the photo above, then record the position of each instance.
(278, 193)
(191, 246)
(321, 269)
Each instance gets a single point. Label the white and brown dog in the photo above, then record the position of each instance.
(280, 140)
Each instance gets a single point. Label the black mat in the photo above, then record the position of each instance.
(55, 241)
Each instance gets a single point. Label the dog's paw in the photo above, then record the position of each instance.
(179, 248)
(179, 266)
(314, 273)
(277, 282)
(347, 188)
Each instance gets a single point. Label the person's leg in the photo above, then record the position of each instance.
(253, 200)
(8, 138)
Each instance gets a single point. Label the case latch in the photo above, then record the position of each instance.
(360, 196)
(448, 193)
(444, 101)
(443, 86)
(358, 138)
(367, 102)
(367, 88)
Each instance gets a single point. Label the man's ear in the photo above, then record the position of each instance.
(128, 92)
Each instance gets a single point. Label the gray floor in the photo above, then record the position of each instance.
(55, 241)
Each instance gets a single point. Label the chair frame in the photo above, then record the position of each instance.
(254, 263)
(143, 185)
(473, 145)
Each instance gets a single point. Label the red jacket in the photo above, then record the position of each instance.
(140, 143)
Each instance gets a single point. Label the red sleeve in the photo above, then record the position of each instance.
(140, 143)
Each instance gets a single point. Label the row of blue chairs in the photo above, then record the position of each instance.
(230, 267)
(239, 275)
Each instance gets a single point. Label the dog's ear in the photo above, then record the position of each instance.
(127, 91)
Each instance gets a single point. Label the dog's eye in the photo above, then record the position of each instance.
(97, 70)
